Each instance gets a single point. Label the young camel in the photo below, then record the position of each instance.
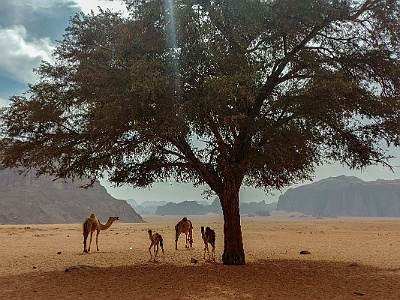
(155, 239)
(209, 238)
(186, 227)
(92, 224)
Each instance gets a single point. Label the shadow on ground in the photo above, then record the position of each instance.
(267, 279)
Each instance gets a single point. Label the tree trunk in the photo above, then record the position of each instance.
(233, 242)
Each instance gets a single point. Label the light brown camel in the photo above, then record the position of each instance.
(209, 238)
(155, 239)
(92, 224)
(186, 227)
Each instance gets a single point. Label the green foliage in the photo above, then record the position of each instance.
(213, 92)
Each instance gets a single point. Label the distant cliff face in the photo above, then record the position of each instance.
(183, 208)
(31, 200)
(344, 196)
(193, 208)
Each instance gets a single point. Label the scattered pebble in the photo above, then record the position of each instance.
(193, 260)
(305, 252)
(353, 264)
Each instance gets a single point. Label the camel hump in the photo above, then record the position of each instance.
(184, 219)
(92, 216)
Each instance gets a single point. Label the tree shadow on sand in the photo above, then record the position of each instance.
(265, 279)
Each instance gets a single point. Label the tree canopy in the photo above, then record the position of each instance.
(222, 93)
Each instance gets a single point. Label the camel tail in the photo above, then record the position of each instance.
(191, 226)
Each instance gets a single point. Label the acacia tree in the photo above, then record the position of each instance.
(213, 92)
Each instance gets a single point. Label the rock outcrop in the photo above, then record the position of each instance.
(344, 196)
(31, 200)
(194, 208)
(182, 208)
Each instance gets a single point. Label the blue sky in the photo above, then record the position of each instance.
(29, 30)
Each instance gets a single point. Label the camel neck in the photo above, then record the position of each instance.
(107, 225)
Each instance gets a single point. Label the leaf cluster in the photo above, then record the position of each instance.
(207, 91)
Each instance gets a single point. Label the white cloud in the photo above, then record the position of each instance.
(4, 102)
(19, 56)
(20, 53)
(87, 6)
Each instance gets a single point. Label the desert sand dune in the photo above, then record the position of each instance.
(348, 259)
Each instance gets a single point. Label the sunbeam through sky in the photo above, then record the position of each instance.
(172, 44)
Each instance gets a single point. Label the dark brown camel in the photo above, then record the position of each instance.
(208, 236)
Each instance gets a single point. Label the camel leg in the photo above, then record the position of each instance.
(90, 241)
(155, 250)
(190, 238)
(97, 239)
(206, 249)
(84, 243)
(151, 255)
(213, 253)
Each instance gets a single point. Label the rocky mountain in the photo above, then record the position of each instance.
(146, 207)
(195, 208)
(258, 208)
(344, 196)
(31, 200)
(182, 208)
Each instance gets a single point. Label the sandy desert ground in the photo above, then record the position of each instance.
(349, 259)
